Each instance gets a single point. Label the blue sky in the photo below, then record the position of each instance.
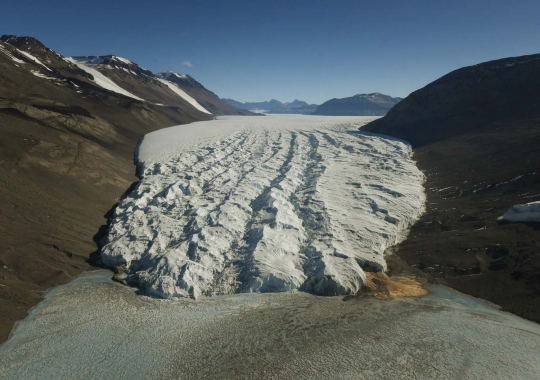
(312, 50)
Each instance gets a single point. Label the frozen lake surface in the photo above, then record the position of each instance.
(263, 204)
(95, 329)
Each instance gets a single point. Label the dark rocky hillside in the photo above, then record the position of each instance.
(465, 99)
(374, 104)
(66, 157)
(476, 133)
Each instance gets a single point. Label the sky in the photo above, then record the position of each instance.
(309, 50)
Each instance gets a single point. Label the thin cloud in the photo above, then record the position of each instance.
(187, 63)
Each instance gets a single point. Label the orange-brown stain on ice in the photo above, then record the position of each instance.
(380, 285)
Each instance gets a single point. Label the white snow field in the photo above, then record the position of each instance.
(263, 204)
(91, 329)
(101, 80)
(528, 212)
(178, 91)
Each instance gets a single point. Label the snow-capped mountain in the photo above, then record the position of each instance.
(69, 127)
(162, 88)
(374, 104)
(121, 76)
(203, 96)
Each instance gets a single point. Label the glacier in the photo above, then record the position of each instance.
(263, 204)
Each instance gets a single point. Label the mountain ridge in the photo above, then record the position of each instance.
(372, 104)
(205, 97)
(470, 96)
(266, 105)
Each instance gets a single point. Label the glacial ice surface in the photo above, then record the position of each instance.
(263, 204)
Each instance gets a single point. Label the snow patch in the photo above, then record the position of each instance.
(32, 58)
(126, 61)
(6, 52)
(528, 212)
(511, 180)
(102, 81)
(177, 90)
(40, 75)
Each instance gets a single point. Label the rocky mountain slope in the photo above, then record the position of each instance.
(374, 104)
(476, 133)
(68, 130)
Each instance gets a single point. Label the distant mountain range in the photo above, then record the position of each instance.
(275, 106)
(374, 104)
